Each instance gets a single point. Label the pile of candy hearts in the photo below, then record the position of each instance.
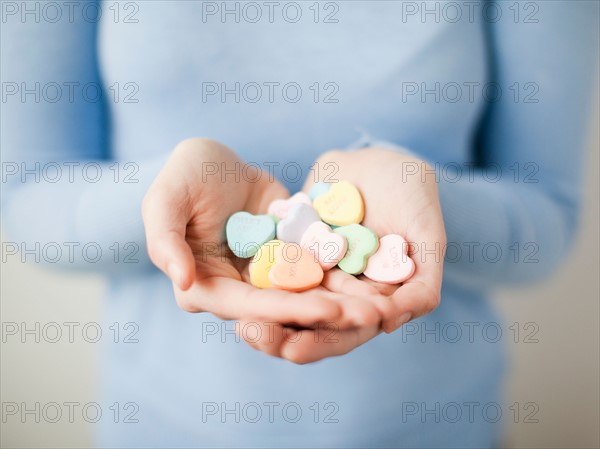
(305, 235)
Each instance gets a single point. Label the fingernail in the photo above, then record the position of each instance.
(175, 273)
(403, 319)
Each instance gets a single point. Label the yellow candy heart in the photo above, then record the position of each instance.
(342, 205)
(261, 264)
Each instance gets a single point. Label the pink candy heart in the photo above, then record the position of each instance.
(391, 263)
(326, 246)
(280, 208)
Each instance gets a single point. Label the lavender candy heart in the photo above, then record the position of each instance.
(300, 216)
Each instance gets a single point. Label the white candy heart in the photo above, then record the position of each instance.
(300, 216)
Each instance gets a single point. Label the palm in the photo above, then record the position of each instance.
(214, 200)
(393, 205)
(185, 212)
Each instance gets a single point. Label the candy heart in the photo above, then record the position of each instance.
(362, 243)
(246, 233)
(280, 208)
(318, 189)
(326, 246)
(300, 216)
(261, 264)
(341, 206)
(295, 269)
(390, 264)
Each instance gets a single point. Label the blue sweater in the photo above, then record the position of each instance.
(495, 96)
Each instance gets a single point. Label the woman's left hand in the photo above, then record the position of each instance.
(400, 196)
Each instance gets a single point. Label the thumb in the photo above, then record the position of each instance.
(165, 216)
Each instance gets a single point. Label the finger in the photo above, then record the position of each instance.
(165, 213)
(232, 299)
(383, 289)
(354, 310)
(266, 337)
(313, 345)
(357, 312)
(338, 281)
(421, 293)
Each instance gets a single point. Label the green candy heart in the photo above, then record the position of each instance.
(246, 233)
(362, 243)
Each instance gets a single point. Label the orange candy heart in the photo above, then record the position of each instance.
(295, 269)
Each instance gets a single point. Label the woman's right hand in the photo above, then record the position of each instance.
(185, 212)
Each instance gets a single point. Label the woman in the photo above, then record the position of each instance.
(491, 102)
